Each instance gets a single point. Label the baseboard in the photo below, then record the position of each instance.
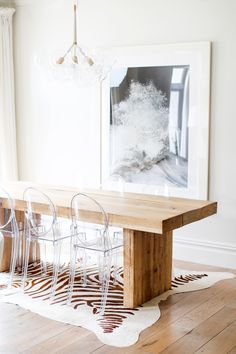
(211, 253)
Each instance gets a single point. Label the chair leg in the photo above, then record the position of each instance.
(14, 249)
(83, 266)
(26, 262)
(116, 236)
(56, 265)
(100, 268)
(72, 273)
(20, 254)
(115, 265)
(43, 256)
(105, 281)
(34, 253)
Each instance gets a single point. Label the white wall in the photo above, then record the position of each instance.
(44, 113)
(55, 119)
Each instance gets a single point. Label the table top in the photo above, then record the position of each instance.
(134, 211)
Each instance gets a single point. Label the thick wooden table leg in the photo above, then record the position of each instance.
(147, 266)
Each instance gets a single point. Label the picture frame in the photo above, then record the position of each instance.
(155, 120)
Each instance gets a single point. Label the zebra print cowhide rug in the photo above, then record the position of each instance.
(120, 326)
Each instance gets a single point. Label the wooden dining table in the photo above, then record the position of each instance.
(147, 221)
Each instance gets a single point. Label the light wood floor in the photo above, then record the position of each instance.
(197, 322)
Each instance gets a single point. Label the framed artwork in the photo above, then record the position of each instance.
(155, 120)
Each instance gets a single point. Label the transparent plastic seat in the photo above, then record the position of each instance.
(90, 238)
(43, 229)
(9, 228)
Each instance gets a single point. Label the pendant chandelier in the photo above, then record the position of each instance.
(87, 66)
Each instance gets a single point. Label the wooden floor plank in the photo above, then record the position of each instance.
(232, 303)
(84, 345)
(224, 342)
(10, 314)
(29, 332)
(57, 342)
(111, 350)
(46, 331)
(203, 333)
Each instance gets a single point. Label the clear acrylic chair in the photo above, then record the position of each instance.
(90, 230)
(43, 229)
(115, 182)
(9, 228)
